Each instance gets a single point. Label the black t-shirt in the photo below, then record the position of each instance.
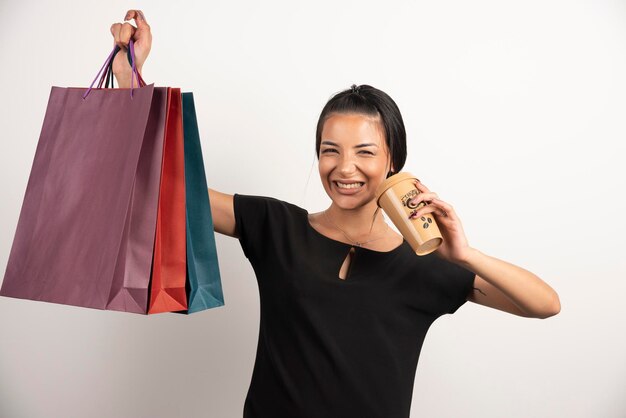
(331, 347)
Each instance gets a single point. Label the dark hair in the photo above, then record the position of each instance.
(369, 101)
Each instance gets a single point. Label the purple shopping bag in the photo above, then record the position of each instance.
(85, 234)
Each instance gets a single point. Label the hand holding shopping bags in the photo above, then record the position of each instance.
(108, 221)
(142, 38)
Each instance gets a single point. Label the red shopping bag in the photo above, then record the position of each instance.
(167, 287)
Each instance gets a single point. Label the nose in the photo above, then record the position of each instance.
(347, 165)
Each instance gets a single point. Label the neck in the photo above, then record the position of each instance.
(358, 221)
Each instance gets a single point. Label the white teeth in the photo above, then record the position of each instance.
(349, 186)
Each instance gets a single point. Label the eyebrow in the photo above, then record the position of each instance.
(356, 146)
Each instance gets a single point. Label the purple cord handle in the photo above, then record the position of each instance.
(132, 58)
(106, 64)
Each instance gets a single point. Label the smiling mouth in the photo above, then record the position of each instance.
(354, 186)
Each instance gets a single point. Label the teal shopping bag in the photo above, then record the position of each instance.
(203, 284)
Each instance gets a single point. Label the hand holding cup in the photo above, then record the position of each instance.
(454, 247)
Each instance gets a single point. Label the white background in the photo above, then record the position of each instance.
(515, 116)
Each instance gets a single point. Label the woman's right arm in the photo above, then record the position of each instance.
(222, 210)
(142, 38)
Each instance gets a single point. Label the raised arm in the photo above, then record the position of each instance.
(222, 209)
(142, 37)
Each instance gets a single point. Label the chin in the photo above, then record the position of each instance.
(350, 202)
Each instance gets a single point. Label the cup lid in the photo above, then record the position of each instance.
(391, 181)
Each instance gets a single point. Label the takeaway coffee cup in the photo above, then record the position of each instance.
(394, 196)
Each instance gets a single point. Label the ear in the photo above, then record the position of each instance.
(390, 162)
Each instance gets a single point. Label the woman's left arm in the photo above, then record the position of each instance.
(498, 284)
(507, 287)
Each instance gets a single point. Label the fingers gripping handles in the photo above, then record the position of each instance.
(108, 64)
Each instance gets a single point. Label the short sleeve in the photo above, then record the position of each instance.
(252, 222)
(455, 284)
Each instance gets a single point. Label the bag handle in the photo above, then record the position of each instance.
(109, 72)
(109, 63)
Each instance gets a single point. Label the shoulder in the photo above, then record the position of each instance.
(435, 271)
(264, 209)
(267, 202)
(263, 221)
(435, 285)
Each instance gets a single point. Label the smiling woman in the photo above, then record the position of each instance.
(360, 141)
(345, 302)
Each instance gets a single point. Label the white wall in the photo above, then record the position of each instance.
(514, 112)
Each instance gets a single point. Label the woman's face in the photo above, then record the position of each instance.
(353, 149)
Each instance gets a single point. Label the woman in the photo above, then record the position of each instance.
(345, 302)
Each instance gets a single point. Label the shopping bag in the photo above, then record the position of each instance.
(167, 287)
(204, 286)
(85, 233)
